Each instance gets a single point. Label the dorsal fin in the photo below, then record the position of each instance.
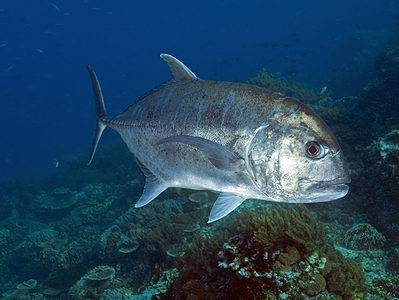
(177, 68)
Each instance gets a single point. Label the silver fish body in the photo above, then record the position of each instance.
(237, 139)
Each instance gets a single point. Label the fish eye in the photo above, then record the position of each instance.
(314, 150)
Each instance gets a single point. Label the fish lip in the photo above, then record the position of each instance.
(339, 183)
(345, 180)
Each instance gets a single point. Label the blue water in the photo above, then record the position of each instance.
(47, 109)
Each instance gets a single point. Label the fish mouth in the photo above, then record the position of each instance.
(331, 183)
(320, 191)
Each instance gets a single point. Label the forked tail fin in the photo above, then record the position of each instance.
(100, 112)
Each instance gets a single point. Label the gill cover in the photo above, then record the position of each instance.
(258, 155)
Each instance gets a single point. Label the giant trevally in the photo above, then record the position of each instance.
(237, 139)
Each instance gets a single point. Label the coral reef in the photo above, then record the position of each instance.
(379, 103)
(31, 289)
(279, 84)
(93, 283)
(387, 288)
(278, 253)
(387, 149)
(394, 261)
(363, 237)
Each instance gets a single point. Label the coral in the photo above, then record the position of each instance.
(100, 273)
(346, 277)
(51, 292)
(276, 83)
(176, 250)
(98, 199)
(385, 288)
(7, 205)
(192, 228)
(193, 289)
(388, 145)
(24, 290)
(27, 285)
(47, 255)
(387, 150)
(59, 199)
(272, 254)
(394, 261)
(93, 283)
(157, 241)
(130, 247)
(4, 237)
(363, 237)
(296, 225)
(201, 197)
(373, 262)
(379, 103)
(109, 241)
(151, 291)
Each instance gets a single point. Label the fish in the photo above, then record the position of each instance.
(9, 68)
(323, 90)
(56, 163)
(240, 140)
(56, 7)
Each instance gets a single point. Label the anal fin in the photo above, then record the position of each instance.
(225, 204)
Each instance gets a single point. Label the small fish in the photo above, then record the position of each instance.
(9, 68)
(55, 163)
(323, 90)
(3, 45)
(56, 7)
(38, 50)
(243, 141)
(50, 33)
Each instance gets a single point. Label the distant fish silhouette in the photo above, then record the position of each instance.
(53, 5)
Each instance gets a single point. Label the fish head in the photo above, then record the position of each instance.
(296, 158)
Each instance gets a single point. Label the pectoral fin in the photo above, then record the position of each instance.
(224, 205)
(220, 156)
(153, 186)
